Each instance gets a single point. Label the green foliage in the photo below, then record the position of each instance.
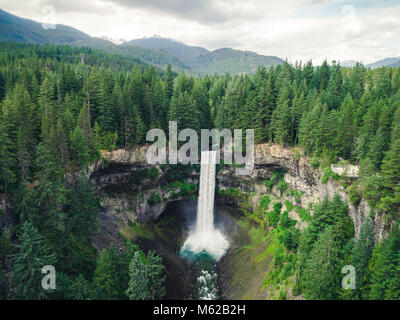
(5, 245)
(328, 173)
(57, 114)
(303, 214)
(276, 177)
(314, 163)
(384, 268)
(146, 279)
(282, 186)
(296, 194)
(33, 253)
(265, 201)
(289, 206)
(274, 215)
(321, 249)
(354, 194)
(105, 279)
(154, 199)
(80, 289)
(360, 257)
(322, 268)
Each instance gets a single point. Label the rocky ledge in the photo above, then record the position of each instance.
(133, 190)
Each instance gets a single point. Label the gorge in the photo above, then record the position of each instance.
(164, 190)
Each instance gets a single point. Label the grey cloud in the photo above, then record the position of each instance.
(78, 6)
(204, 11)
(219, 11)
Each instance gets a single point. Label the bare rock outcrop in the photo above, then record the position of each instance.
(126, 191)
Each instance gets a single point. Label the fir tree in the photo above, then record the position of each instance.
(33, 254)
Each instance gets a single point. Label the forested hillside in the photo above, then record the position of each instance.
(157, 51)
(56, 114)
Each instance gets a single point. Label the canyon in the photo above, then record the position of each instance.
(127, 186)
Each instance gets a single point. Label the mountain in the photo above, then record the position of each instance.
(202, 61)
(384, 63)
(395, 65)
(348, 63)
(233, 61)
(155, 51)
(187, 54)
(15, 29)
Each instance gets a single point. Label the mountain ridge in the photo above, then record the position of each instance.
(156, 50)
(203, 61)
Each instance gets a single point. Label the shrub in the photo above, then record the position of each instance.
(273, 218)
(282, 295)
(288, 205)
(264, 202)
(233, 192)
(285, 221)
(154, 199)
(354, 194)
(275, 178)
(314, 163)
(296, 291)
(282, 186)
(328, 173)
(277, 207)
(297, 195)
(304, 214)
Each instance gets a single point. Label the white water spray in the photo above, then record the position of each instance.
(205, 237)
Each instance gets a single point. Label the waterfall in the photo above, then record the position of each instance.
(205, 206)
(205, 238)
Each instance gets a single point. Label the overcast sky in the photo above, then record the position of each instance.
(362, 30)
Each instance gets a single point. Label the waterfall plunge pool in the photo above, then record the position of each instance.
(206, 244)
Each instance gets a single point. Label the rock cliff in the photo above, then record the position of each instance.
(133, 190)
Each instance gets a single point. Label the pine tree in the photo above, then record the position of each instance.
(105, 278)
(80, 147)
(347, 128)
(84, 123)
(184, 112)
(33, 254)
(155, 268)
(7, 163)
(80, 289)
(282, 120)
(61, 142)
(169, 83)
(138, 282)
(391, 178)
(265, 105)
(106, 116)
(384, 264)
(321, 280)
(2, 87)
(361, 255)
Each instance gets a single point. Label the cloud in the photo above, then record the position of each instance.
(364, 30)
(221, 11)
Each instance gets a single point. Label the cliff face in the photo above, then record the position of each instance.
(300, 176)
(6, 217)
(130, 189)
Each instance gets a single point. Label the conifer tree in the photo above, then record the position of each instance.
(138, 282)
(322, 269)
(105, 278)
(7, 163)
(80, 147)
(80, 289)
(33, 254)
